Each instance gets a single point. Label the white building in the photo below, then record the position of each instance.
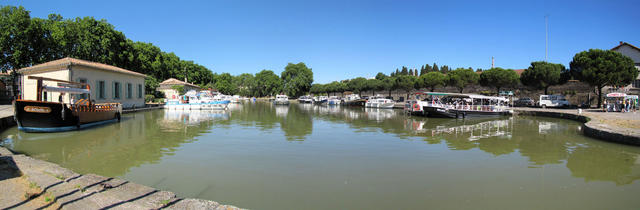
(168, 87)
(109, 84)
(634, 53)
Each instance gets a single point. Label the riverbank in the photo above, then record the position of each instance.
(30, 183)
(608, 126)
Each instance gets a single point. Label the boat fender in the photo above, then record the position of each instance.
(62, 112)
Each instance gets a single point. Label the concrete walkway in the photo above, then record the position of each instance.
(29, 183)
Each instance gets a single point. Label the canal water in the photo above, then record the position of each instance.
(261, 156)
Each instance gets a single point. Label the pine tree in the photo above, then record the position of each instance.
(435, 67)
(411, 72)
(427, 68)
(404, 71)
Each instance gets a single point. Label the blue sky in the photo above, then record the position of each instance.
(346, 39)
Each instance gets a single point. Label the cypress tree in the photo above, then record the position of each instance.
(435, 67)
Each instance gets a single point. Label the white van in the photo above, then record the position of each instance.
(552, 101)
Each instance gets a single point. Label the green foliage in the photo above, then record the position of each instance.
(297, 79)
(499, 78)
(224, 84)
(179, 88)
(404, 82)
(357, 84)
(432, 80)
(374, 85)
(542, 75)
(461, 78)
(267, 83)
(381, 76)
(600, 68)
(245, 84)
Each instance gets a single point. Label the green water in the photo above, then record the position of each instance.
(302, 156)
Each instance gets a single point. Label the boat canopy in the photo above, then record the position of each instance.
(462, 95)
(616, 95)
(65, 90)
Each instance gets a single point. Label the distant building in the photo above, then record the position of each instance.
(634, 53)
(167, 87)
(109, 84)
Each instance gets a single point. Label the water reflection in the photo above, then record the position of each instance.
(147, 137)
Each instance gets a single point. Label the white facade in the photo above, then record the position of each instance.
(634, 53)
(108, 84)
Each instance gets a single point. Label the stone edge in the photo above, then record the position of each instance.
(589, 127)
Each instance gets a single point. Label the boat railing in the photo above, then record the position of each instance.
(470, 107)
(82, 107)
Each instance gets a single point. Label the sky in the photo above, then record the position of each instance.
(346, 39)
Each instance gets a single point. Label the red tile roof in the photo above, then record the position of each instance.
(173, 81)
(624, 43)
(64, 63)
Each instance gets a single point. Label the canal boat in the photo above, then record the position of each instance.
(334, 100)
(457, 105)
(193, 100)
(379, 102)
(354, 100)
(320, 100)
(46, 116)
(305, 100)
(281, 100)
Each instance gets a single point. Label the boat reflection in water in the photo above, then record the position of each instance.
(193, 117)
(473, 130)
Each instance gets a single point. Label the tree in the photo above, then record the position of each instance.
(461, 78)
(374, 85)
(542, 75)
(600, 68)
(357, 84)
(179, 89)
(297, 79)
(244, 83)
(432, 80)
(405, 82)
(498, 78)
(404, 71)
(388, 84)
(381, 76)
(435, 67)
(267, 83)
(224, 84)
(411, 72)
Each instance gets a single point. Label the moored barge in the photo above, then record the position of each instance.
(45, 116)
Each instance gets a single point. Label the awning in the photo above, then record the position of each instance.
(612, 95)
(65, 90)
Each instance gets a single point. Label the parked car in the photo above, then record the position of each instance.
(552, 101)
(524, 102)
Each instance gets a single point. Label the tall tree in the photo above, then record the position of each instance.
(499, 78)
(427, 68)
(297, 79)
(224, 84)
(357, 84)
(600, 68)
(404, 71)
(411, 72)
(380, 76)
(267, 83)
(542, 75)
(462, 78)
(432, 80)
(405, 82)
(388, 84)
(374, 85)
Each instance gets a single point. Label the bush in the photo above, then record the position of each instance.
(148, 98)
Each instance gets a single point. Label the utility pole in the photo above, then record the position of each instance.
(492, 62)
(546, 38)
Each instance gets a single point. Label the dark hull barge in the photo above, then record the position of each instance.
(45, 116)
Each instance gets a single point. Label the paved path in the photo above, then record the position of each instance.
(6, 110)
(624, 123)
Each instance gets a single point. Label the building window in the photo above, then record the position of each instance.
(84, 95)
(100, 90)
(129, 91)
(116, 90)
(636, 84)
(139, 91)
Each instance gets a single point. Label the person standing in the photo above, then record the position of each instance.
(60, 97)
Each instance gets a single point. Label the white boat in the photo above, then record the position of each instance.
(353, 100)
(320, 99)
(305, 99)
(235, 99)
(334, 100)
(193, 100)
(458, 105)
(379, 102)
(281, 100)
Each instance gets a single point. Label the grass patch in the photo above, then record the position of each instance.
(165, 202)
(33, 185)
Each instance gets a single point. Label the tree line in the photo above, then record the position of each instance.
(596, 67)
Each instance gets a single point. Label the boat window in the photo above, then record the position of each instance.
(44, 96)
